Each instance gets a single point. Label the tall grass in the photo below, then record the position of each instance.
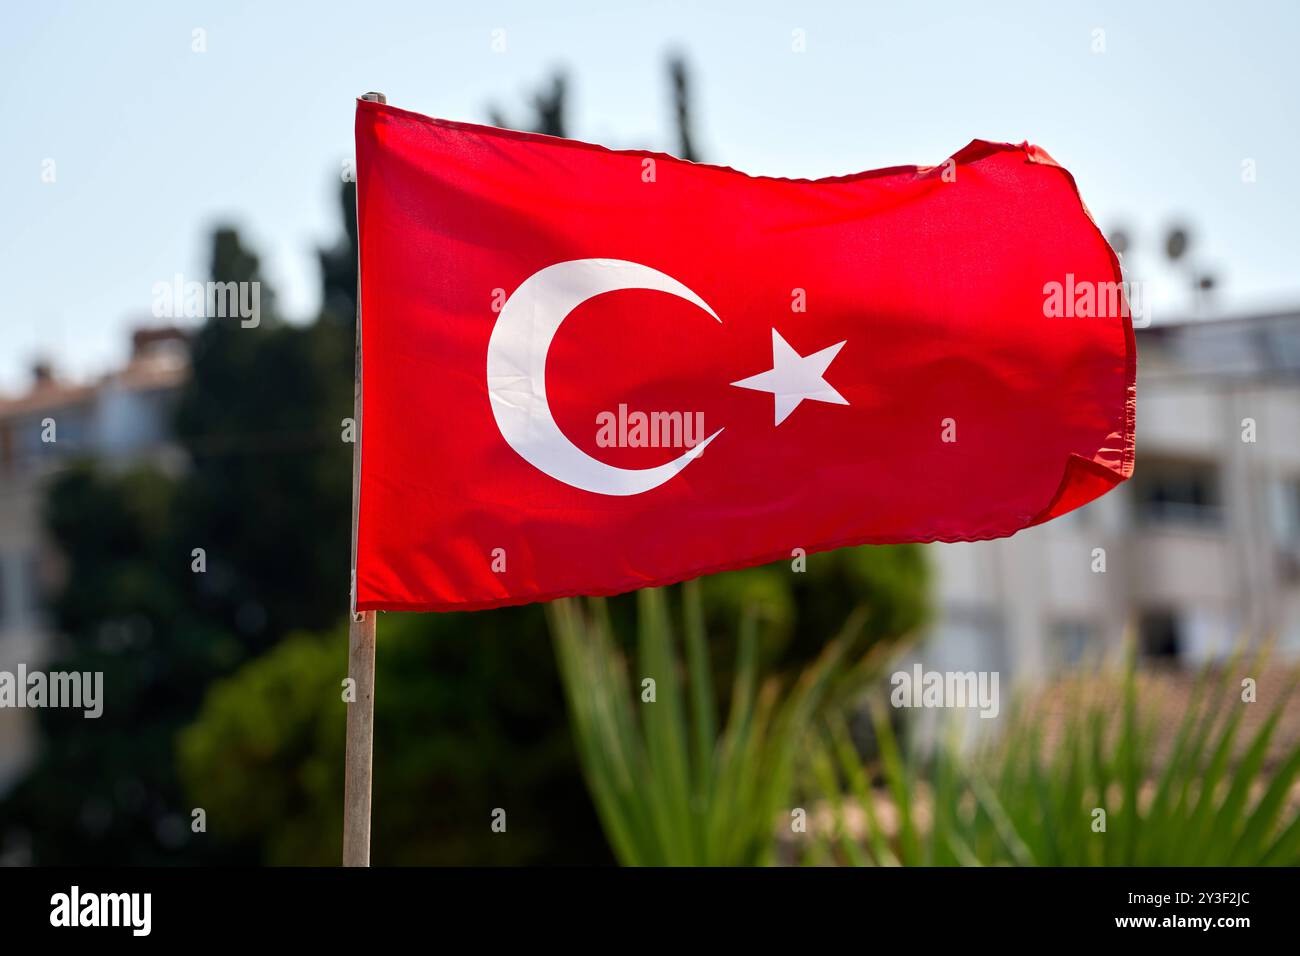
(1199, 794)
(674, 781)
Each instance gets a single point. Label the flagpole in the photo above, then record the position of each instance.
(361, 652)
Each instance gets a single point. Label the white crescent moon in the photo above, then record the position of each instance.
(516, 371)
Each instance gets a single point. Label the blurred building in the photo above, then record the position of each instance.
(1201, 546)
(121, 419)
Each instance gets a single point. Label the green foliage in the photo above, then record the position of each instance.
(1200, 799)
(670, 787)
(338, 268)
(104, 789)
(274, 711)
(468, 718)
(889, 585)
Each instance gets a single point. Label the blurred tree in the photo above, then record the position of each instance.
(104, 790)
(469, 716)
(680, 77)
(549, 106)
(1178, 241)
(269, 491)
(1119, 240)
(338, 266)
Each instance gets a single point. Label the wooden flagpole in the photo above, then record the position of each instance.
(361, 652)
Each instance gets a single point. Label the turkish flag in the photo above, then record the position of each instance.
(588, 370)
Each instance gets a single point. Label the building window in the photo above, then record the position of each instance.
(1182, 493)
(1286, 513)
(1160, 637)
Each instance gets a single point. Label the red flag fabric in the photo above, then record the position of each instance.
(589, 370)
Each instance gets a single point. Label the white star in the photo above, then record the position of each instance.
(794, 377)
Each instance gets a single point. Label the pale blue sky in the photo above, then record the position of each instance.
(154, 143)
